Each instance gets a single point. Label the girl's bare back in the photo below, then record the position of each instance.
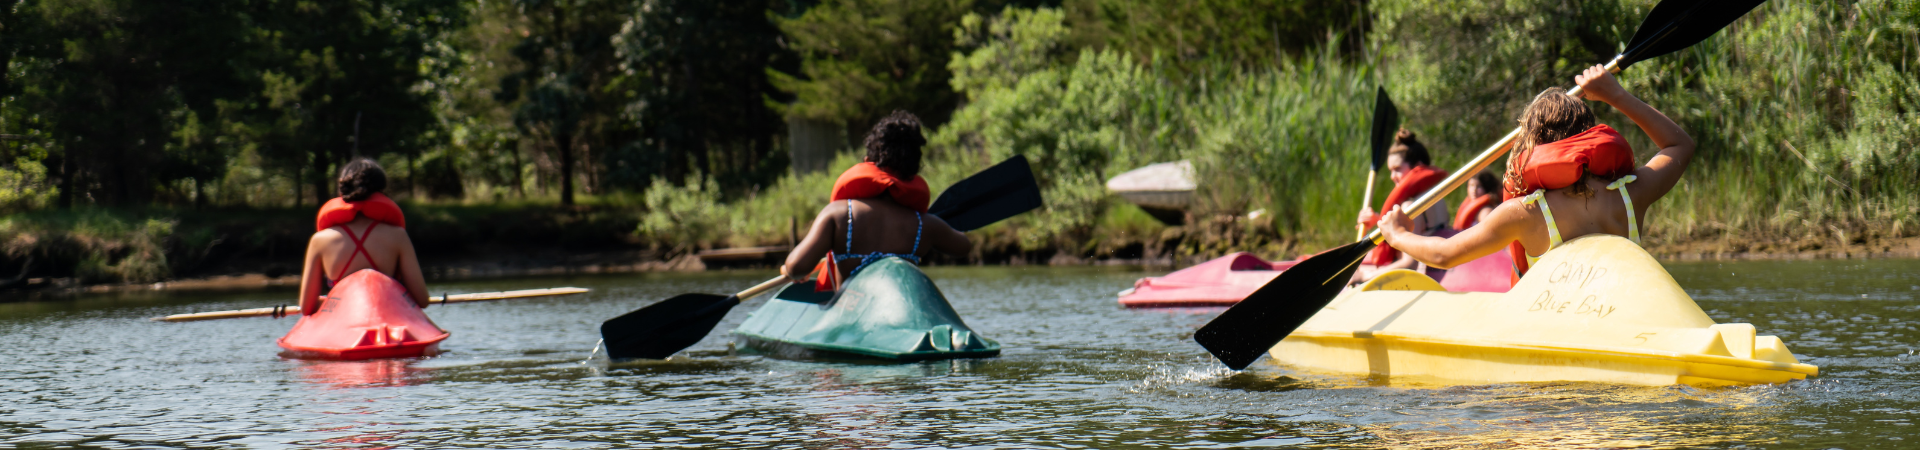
(383, 244)
(331, 253)
(1604, 212)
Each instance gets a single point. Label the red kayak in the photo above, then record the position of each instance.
(1226, 280)
(1220, 282)
(1491, 273)
(367, 315)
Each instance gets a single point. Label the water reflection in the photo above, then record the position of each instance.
(362, 374)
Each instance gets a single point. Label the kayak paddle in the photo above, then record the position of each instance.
(1242, 333)
(282, 311)
(662, 329)
(659, 330)
(1386, 121)
(1004, 190)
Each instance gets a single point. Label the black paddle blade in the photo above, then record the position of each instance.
(1244, 332)
(1386, 122)
(1004, 190)
(1676, 24)
(662, 329)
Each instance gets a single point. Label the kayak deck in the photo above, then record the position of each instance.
(1597, 309)
(889, 311)
(1224, 281)
(1221, 281)
(367, 315)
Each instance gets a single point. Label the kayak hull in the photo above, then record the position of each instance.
(367, 315)
(889, 311)
(1226, 280)
(1598, 309)
(1222, 281)
(1491, 273)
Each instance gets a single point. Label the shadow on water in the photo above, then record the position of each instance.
(701, 363)
(1244, 381)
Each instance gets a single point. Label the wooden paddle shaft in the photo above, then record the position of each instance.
(1364, 202)
(761, 288)
(291, 310)
(1478, 164)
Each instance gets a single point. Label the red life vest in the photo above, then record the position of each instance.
(866, 180)
(1469, 213)
(1599, 150)
(1415, 182)
(377, 207)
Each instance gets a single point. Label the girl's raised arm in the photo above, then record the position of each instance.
(1662, 171)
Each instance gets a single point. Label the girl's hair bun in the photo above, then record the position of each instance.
(360, 179)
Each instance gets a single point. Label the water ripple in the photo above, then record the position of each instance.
(1077, 372)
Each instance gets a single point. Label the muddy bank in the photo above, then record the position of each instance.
(506, 261)
(1833, 245)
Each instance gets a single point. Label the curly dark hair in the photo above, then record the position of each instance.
(360, 179)
(894, 144)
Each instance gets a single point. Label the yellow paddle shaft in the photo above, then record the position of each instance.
(1478, 164)
(291, 310)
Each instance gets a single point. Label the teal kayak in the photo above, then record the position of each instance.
(890, 310)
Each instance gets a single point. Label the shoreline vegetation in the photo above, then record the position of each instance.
(234, 252)
(632, 147)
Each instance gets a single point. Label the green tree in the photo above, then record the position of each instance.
(111, 96)
(567, 62)
(1241, 33)
(342, 79)
(475, 134)
(862, 59)
(24, 183)
(696, 68)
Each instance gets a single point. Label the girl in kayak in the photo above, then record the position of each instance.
(362, 229)
(1481, 198)
(1554, 180)
(878, 210)
(1413, 174)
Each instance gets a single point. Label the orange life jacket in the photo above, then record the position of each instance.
(1469, 213)
(1415, 182)
(1599, 150)
(866, 180)
(377, 207)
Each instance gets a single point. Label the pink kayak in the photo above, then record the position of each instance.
(367, 315)
(1226, 280)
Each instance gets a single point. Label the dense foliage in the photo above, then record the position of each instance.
(677, 110)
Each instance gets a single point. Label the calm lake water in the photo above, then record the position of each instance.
(1078, 371)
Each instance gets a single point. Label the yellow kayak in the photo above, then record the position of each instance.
(1598, 309)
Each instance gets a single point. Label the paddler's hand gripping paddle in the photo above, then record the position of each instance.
(662, 329)
(1247, 330)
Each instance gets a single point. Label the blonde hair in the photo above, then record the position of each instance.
(1552, 116)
